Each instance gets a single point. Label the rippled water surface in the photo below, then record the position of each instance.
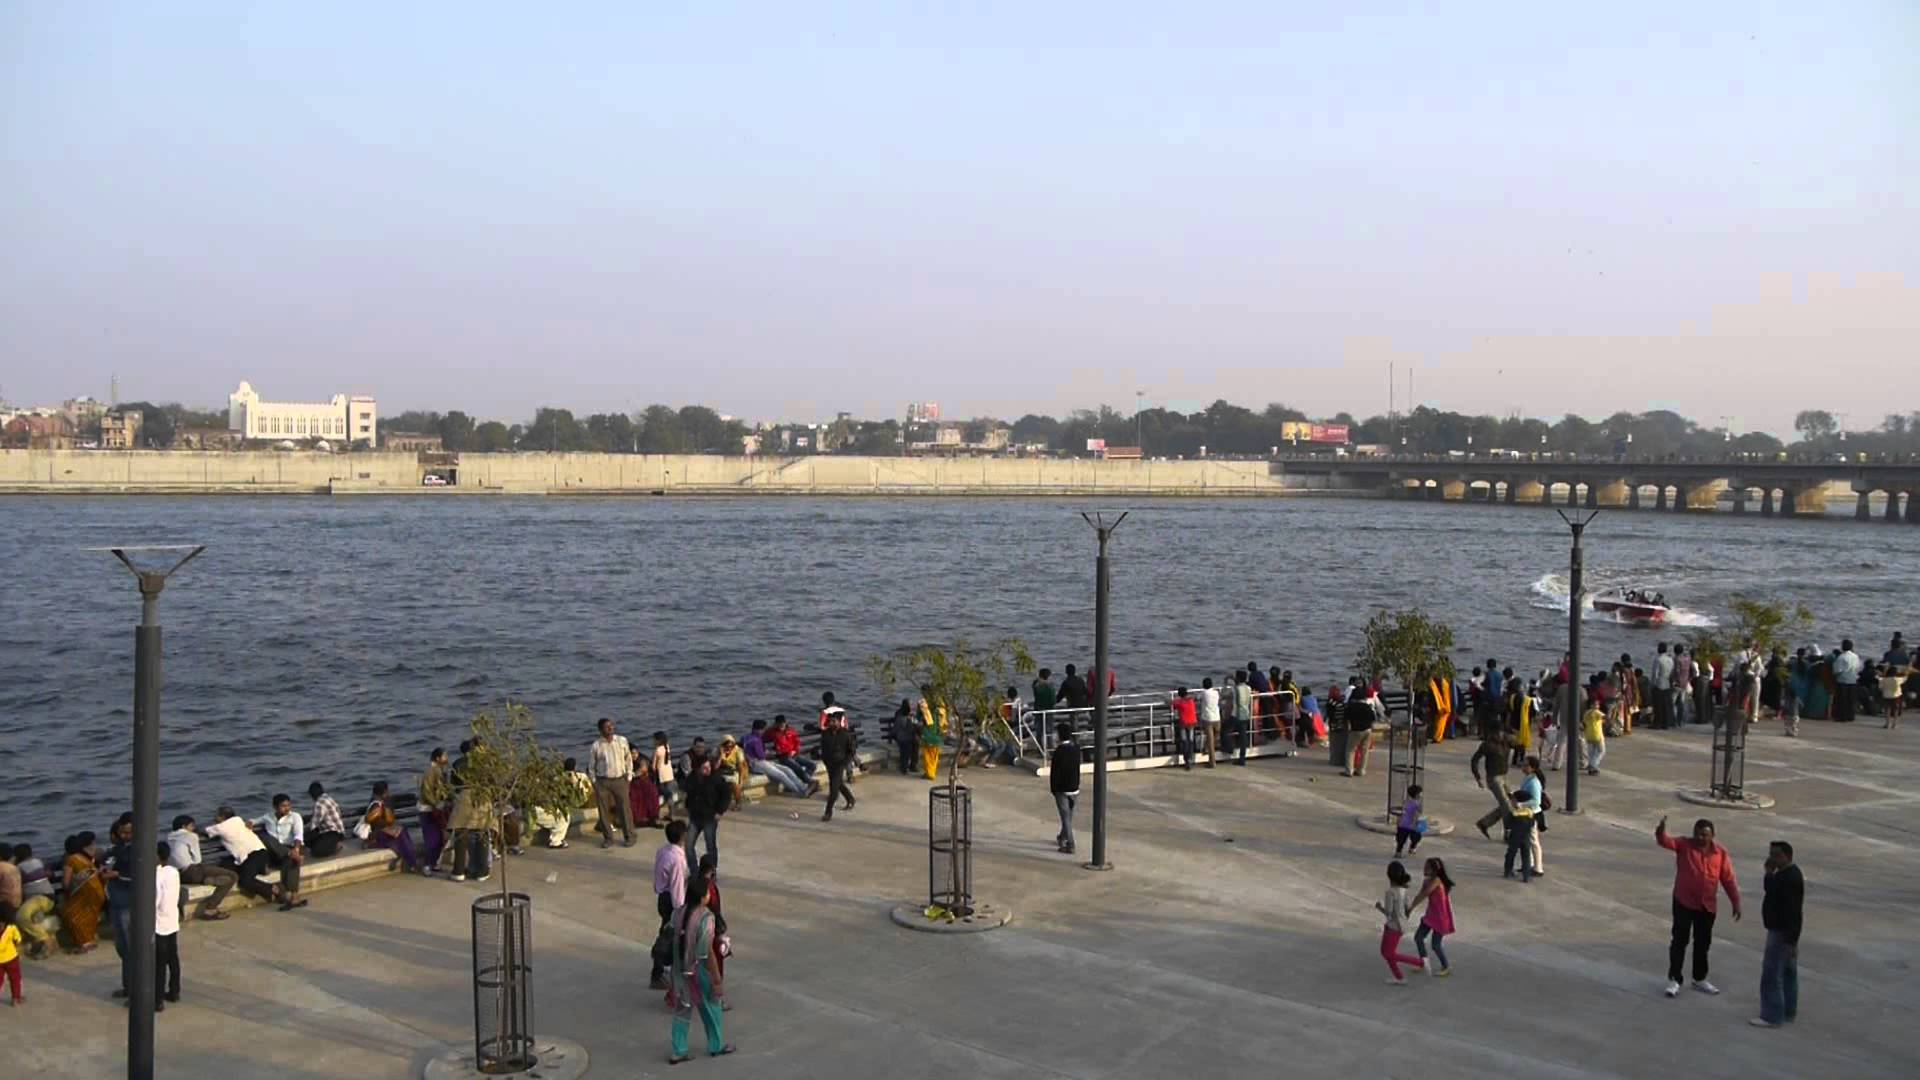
(343, 638)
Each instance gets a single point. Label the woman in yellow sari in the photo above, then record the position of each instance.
(1442, 708)
(86, 894)
(932, 734)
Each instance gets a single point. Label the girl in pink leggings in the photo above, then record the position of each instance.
(1394, 906)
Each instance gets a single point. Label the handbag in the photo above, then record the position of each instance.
(363, 830)
(1420, 826)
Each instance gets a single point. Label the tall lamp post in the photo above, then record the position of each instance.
(1139, 424)
(146, 794)
(1104, 529)
(1576, 586)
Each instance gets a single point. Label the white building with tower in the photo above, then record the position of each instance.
(341, 418)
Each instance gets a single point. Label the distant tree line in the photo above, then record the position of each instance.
(1223, 428)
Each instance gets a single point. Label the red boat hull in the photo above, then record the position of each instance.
(1645, 614)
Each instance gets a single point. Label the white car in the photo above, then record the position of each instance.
(433, 480)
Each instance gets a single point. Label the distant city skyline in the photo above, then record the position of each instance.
(785, 213)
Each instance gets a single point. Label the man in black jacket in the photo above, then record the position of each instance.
(836, 749)
(1073, 691)
(1496, 750)
(1780, 912)
(1063, 777)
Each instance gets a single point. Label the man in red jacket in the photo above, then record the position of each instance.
(1701, 868)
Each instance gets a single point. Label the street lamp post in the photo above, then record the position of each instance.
(1139, 424)
(1576, 585)
(146, 801)
(1104, 529)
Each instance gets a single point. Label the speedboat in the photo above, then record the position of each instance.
(1638, 606)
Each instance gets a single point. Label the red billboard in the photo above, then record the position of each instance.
(1329, 433)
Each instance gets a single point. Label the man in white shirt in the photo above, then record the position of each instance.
(183, 854)
(1210, 719)
(166, 930)
(1663, 688)
(1846, 677)
(610, 762)
(249, 855)
(285, 836)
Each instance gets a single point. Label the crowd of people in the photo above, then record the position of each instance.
(686, 794)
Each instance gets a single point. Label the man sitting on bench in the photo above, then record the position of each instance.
(249, 855)
(285, 836)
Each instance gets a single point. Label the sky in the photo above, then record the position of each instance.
(787, 210)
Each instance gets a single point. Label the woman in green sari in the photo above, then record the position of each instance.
(696, 970)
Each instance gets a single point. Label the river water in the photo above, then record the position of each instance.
(342, 638)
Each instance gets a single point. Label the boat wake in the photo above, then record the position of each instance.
(1549, 593)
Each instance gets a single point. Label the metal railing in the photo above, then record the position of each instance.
(1140, 726)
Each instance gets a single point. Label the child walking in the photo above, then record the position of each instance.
(1437, 893)
(1892, 683)
(1406, 838)
(10, 950)
(1594, 735)
(1394, 906)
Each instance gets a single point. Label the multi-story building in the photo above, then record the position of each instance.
(416, 442)
(82, 411)
(32, 432)
(342, 418)
(120, 429)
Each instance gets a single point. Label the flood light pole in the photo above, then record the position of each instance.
(1104, 529)
(146, 800)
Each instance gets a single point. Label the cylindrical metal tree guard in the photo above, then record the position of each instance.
(950, 849)
(503, 983)
(1729, 758)
(1406, 762)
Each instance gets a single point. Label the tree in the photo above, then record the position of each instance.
(1409, 645)
(956, 684)
(455, 430)
(1033, 428)
(491, 437)
(1815, 425)
(877, 439)
(507, 770)
(661, 431)
(1768, 624)
(554, 430)
(612, 433)
(156, 424)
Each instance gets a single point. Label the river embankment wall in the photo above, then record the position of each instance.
(93, 472)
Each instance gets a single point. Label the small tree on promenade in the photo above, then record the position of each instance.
(507, 770)
(1768, 624)
(1409, 645)
(955, 683)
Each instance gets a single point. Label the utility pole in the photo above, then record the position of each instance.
(1102, 579)
(1139, 425)
(146, 802)
(1576, 689)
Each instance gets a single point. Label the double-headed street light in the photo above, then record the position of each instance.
(145, 562)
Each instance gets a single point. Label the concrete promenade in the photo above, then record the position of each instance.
(1235, 937)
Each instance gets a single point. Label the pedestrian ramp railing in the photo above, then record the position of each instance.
(1141, 731)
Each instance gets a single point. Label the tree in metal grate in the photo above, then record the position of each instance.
(950, 848)
(1406, 762)
(1729, 770)
(503, 983)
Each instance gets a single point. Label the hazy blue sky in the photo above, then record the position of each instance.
(787, 209)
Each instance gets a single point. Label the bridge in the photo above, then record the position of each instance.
(1773, 488)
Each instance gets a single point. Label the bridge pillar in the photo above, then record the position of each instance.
(1892, 512)
(1740, 499)
(1660, 503)
(1766, 502)
(1593, 497)
(1787, 502)
(1862, 507)
(1913, 508)
(1573, 494)
(1614, 495)
(1513, 493)
(1633, 496)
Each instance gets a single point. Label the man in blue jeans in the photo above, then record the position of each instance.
(119, 875)
(1780, 913)
(1063, 779)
